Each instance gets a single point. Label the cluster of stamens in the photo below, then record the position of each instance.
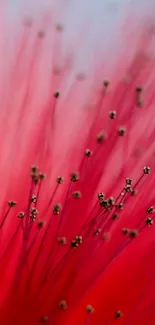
(110, 205)
(96, 227)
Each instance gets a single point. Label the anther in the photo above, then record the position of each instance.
(63, 304)
(104, 203)
(21, 215)
(34, 169)
(59, 27)
(119, 206)
(150, 210)
(34, 211)
(118, 314)
(115, 216)
(44, 319)
(77, 194)
(106, 83)
(147, 170)
(60, 180)
(122, 131)
(133, 233)
(125, 231)
(42, 176)
(40, 224)
(33, 214)
(90, 309)
(33, 217)
(62, 240)
(74, 177)
(112, 115)
(56, 94)
(111, 201)
(12, 204)
(139, 89)
(34, 199)
(78, 239)
(128, 181)
(88, 153)
(35, 178)
(56, 209)
(76, 242)
(127, 188)
(149, 221)
(101, 196)
(100, 137)
(133, 192)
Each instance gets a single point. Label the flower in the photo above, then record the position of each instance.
(77, 185)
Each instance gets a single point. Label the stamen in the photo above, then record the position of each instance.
(56, 209)
(41, 224)
(115, 216)
(59, 27)
(21, 215)
(11, 204)
(126, 231)
(100, 137)
(77, 194)
(149, 221)
(127, 188)
(63, 304)
(74, 177)
(90, 309)
(147, 170)
(88, 153)
(112, 115)
(106, 83)
(76, 242)
(120, 206)
(62, 241)
(57, 94)
(118, 314)
(33, 214)
(128, 181)
(34, 169)
(133, 233)
(34, 199)
(44, 319)
(60, 179)
(35, 174)
(101, 196)
(122, 131)
(150, 210)
(42, 176)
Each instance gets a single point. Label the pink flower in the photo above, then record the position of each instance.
(77, 180)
